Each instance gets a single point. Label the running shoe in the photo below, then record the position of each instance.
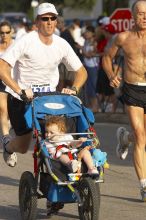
(143, 194)
(122, 147)
(9, 158)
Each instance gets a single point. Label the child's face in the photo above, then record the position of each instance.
(51, 131)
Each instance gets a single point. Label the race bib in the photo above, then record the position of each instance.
(41, 88)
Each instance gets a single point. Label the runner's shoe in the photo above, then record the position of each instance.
(143, 194)
(9, 158)
(122, 147)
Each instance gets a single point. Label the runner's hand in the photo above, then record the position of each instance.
(69, 91)
(115, 81)
(27, 95)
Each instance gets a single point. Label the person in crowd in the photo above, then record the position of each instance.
(66, 77)
(21, 30)
(106, 94)
(76, 32)
(91, 62)
(56, 131)
(5, 41)
(35, 59)
(134, 90)
(101, 22)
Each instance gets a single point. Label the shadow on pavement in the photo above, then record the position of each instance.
(123, 198)
(42, 215)
(9, 181)
(13, 213)
(9, 213)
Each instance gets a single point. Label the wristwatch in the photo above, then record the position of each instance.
(23, 95)
(74, 89)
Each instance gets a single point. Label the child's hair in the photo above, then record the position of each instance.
(59, 121)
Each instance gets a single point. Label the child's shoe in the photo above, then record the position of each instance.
(93, 171)
(74, 165)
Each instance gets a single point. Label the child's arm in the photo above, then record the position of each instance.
(76, 144)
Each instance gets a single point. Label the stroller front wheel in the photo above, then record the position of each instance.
(28, 196)
(90, 196)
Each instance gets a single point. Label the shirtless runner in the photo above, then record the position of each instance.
(133, 44)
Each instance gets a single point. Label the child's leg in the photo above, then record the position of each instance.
(86, 156)
(64, 158)
(72, 164)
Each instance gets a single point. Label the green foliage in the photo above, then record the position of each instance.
(82, 4)
(25, 5)
(14, 5)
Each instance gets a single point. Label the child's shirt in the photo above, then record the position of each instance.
(62, 141)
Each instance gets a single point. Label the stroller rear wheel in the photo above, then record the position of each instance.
(27, 196)
(90, 196)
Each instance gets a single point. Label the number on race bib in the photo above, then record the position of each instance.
(41, 88)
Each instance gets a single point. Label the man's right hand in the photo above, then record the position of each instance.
(27, 95)
(115, 81)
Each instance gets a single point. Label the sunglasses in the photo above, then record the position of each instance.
(53, 18)
(7, 32)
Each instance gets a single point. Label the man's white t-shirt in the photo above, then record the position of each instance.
(37, 63)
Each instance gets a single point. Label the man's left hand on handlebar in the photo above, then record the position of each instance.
(71, 90)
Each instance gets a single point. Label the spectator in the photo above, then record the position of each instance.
(106, 94)
(21, 29)
(91, 62)
(66, 77)
(5, 41)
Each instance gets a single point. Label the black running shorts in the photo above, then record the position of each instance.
(16, 111)
(134, 95)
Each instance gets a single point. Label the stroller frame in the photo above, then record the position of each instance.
(44, 183)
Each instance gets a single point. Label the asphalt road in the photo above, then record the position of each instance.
(120, 197)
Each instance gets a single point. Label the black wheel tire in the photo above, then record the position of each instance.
(90, 195)
(27, 196)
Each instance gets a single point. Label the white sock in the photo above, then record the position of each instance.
(143, 183)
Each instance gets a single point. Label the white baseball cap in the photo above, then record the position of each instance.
(104, 21)
(46, 8)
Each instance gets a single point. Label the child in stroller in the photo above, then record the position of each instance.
(59, 148)
(50, 179)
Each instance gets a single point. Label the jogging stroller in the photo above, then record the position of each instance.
(51, 179)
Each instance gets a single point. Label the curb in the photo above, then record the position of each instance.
(118, 118)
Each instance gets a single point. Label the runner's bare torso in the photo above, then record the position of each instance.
(133, 44)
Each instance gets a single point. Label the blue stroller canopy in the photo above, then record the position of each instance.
(62, 104)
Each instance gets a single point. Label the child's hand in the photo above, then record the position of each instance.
(78, 143)
(83, 139)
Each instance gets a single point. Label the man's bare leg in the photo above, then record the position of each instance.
(4, 123)
(18, 144)
(137, 119)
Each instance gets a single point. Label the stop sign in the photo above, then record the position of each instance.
(122, 19)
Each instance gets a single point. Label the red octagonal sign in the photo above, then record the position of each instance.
(122, 19)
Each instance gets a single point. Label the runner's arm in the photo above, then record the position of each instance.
(107, 63)
(80, 79)
(5, 76)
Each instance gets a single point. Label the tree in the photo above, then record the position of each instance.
(84, 4)
(110, 5)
